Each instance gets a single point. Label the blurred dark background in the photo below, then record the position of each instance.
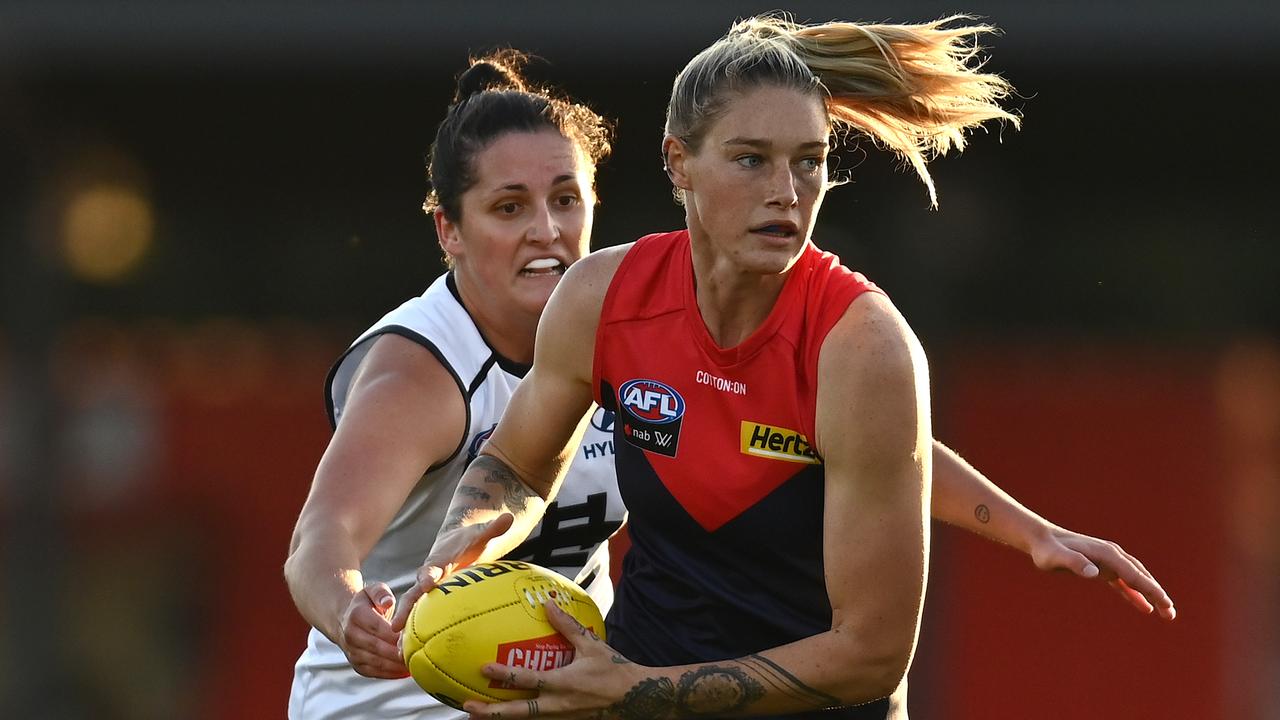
(201, 203)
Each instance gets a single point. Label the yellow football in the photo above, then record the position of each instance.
(491, 612)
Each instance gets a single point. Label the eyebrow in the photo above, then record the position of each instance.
(521, 187)
(767, 144)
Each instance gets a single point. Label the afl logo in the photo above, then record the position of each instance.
(651, 401)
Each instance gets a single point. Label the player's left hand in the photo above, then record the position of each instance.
(588, 687)
(1090, 557)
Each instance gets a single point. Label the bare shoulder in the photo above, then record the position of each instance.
(574, 309)
(403, 360)
(404, 414)
(873, 386)
(399, 371)
(587, 280)
(871, 337)
(567, 330)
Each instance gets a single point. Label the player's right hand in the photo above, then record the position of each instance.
(454, 549)
(1091, 557)
(367, 638)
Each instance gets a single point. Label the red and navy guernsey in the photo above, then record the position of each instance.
(724, 491)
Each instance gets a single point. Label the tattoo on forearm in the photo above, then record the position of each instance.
(457, 517)
(649, 698)
(714, 689)
(784, 682)
(983, 513)
(474, 493)
(514, 493)
(619, 660)
(708, 690)
(533, 708)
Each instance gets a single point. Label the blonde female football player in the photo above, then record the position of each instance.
(773, 427)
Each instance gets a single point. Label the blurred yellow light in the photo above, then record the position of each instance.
(107, 230)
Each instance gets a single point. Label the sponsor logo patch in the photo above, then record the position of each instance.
(473, 450)
(777, 443)
(651, 413)
(602, 420)
(543, 653)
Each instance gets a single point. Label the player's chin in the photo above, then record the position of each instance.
(770, 261)
(533, 295)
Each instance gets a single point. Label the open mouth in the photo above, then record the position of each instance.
(543, 267)
(778, 230)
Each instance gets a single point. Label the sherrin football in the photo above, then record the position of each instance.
(491, 612)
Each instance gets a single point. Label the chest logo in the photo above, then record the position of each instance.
(651, 413)
(473, 450)
(602, 420)
(652, 401)
(776, 443)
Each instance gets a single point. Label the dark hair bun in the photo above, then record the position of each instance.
(497, 71)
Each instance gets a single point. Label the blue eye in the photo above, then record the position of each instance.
(811, 164)
(750, 161)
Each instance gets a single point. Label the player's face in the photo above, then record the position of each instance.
(524, 221)
(756, 183)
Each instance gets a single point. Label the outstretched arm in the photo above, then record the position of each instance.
(964, 497)
(403, 414)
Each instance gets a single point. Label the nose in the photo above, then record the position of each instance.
(543, 228)
(782, 188)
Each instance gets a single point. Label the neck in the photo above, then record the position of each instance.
(733, 302)
(508, 331)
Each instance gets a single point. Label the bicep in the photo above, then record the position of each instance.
(873, 431)
(404, 414)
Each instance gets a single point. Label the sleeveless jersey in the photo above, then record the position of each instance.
(725, 492)
(571, 538)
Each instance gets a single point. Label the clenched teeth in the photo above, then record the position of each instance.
(541, 266)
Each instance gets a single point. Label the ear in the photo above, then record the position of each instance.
(448, 233)
(674, 155)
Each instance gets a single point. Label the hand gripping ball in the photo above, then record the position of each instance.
(491, 612)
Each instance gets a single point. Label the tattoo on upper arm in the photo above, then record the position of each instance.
(983, 513)
(781, 680)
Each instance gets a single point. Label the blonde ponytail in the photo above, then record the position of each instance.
(914, 89)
